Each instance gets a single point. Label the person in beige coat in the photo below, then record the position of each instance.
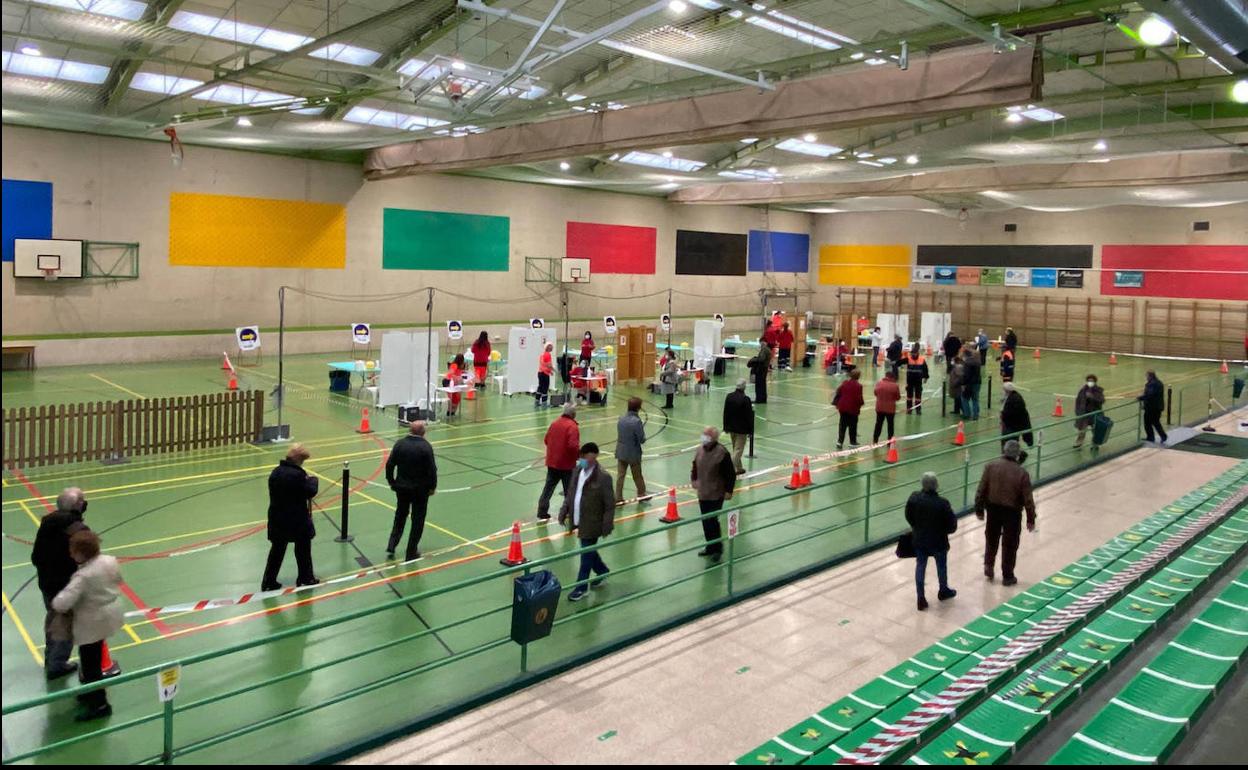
(92, 597)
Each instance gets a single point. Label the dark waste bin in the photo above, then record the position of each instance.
(1100, 429)
(533, 606)
(339, 381)
(1237, 387)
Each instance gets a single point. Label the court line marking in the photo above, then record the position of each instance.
(131, 632)
(369, 498)
(29, 513)
(157, 540)
(21, 629)
(122, 388)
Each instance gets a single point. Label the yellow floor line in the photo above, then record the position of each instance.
(21, 629)
(132, 634)
(118, 387)
(428, 523)
(157, 540)
(26, 508)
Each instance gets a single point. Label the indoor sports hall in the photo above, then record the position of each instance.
(545, 382)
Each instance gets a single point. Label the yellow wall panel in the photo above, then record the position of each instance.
(230, 231)
(877, 265)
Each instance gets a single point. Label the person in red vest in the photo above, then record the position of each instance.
(587, 348)
(887, 394)
(848, 402)
(481, 357)
(916, 375)
(545, 369)
(455, 376)
(784, 340)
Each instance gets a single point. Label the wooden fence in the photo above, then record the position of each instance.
(115, 430)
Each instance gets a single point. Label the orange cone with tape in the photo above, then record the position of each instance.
(233, 383)
(671, 515)
(1113, 359)
(892, 456)
(1036, 354)
(960, 439)
(225, 362)
(1057, 407)
(806, 471)
(1224, 369)
(108, 667)
(364, 425)
(515, 552)
(795, 480)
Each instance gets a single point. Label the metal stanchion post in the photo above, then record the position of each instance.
(1169, 403)
(343, 534)
(944, 398)
(751, 455)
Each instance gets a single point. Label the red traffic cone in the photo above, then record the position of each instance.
(795, 480)
(1113, 359)
(1057, 407)
(108, 666)
(233, 383)
(960, 439)
(1224, 368)
(471, 395)
(225, 362)
(806, 471)
(515, 553)
(671, 515)
(929, 351)
(891, 457)
(364, 426)
(1036, 354)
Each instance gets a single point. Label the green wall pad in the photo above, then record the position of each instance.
(442, 240)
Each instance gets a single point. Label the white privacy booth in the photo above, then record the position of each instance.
(524, 351)
(893, 324)
(410, 369)
(706, 343)
(933, 327)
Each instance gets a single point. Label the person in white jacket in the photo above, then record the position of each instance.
(92, 597)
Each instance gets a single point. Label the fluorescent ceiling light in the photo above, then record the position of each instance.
(667, 153)
(130, 10)
(709, 5)
(1042, 115)
(784, 17)
(857, 56)
(736, 14)
(807, 148)
(749, 140)
(876, 61)
(871, 163)
(865, 154)
(638, 158)
(678, 6)
(57, 69)
(670, 186)
(1014, 117)
(1155, 30)
(810, 138)
(575, 97)
(1239, 91)
(162, 84)
(614, 156)
(773, 170)
(419, 68)
(888, 161)
(244, 122)
(458, 65)
(30, 50)
(564, 165)
(1101, 145)
(912, 159)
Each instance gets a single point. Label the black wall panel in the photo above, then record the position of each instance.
(701, 253)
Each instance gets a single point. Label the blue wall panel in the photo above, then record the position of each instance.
(790, 252)
(26, 212)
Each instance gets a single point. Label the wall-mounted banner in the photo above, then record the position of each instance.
(1043, 277)
(248, 337)
(922, 275)
(537, 323)
(718, 318)
(968, 276)
(1018, 276)
(992, 276)
(608, 323)
(1129, 279)
(945, 275)
(454, 330)
(665, 322)
(1070, 279)
(361, 333)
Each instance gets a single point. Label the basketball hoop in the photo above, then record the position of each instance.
(49, 273)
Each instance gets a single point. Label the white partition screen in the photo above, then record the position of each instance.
(706, 343)
(933, 328)
(396, 369)
(524, 350)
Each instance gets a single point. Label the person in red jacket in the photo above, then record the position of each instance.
(848, 401)
(455, 376)
(481, 357)
(887, 394)
(785, 342)
(770, 336)
(587, 348)
(563, 446)
(545, 369)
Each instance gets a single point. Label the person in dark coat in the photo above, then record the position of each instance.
(916, 375)
(53, 568)
(1011, 339)
(1003, 496)
(972, 379)
(848, 402)
(1153, 400)
(590, 510)
(957, 374)
(894, 354)
(1007, 365)
(951, 347)
(412, 473)
(759, 366)
(1015, 419)
(291, 490)
(1089, 400)
(713, 479)
(931, 521)
(738, 423)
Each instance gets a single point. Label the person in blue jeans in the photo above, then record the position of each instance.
(589, 508)
(931, 521)
(972, 378)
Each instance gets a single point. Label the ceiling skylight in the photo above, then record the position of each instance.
(347, 54)
(753, 175)
(130, 10)
(163, 84)
(265, 37)
(50, 67)
(638, 158)
(1042, 115)
(807, 148)
(387, 119)
(228, 93)
(798, 35)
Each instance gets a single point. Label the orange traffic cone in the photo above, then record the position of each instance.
(225, 362)
(471, 395)
(1057, 407)
(891, 457)
(795, 480)
(960, 439)
(233, 383)
(1224, 369)
(108, 666)
(515, 552)
(929, 351)
(1113, 359)
(364, 426)
(1036, 354)
(671, 515)
(806, 471)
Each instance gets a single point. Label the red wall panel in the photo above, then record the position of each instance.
(1174, 271)
(613, 248)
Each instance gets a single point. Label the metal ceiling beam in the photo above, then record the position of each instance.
(522, 65)
(124, 70)
(947, 14)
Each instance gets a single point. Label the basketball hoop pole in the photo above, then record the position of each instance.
(567, 340)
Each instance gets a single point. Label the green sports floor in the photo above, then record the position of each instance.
(190, 526)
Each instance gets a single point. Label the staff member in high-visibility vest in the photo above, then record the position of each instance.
(1007, 365)
(455, 377)
(916, 375)
(481, 357)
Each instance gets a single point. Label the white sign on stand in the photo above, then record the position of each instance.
(719, 319)
(608, 323)
(454, 330)
(361, 333)
(167, 681)
(537, 323)
(665, 322)
(734, 523)
(248, 337)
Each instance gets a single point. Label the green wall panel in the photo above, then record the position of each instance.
(442, 240)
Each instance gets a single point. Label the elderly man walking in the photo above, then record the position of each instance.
(54, 567)
(563, 443)
(412, 473)
(713, 478)
(931, 521)
(629, 436)
(738, 422)
(590, 510)
(1004, 494)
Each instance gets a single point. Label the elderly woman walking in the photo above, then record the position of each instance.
(92, 598)
(931, 521)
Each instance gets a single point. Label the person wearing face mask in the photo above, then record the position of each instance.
(1153, 400)
(587, 348)
(54, 567)
(669, 380)
(713, 476)
(591, 512)
(1015, 419)
(1091, 399)
(91, 596)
